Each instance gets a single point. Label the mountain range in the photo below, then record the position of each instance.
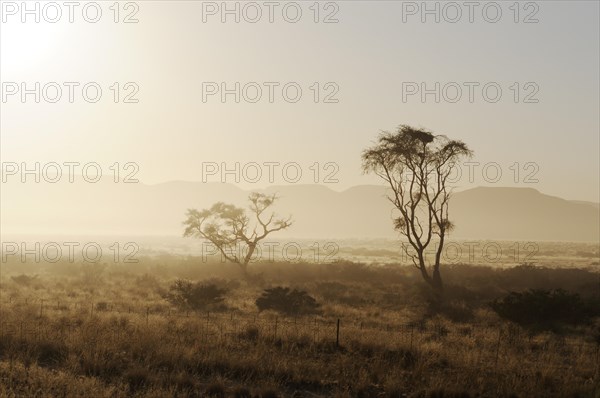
(318, 212)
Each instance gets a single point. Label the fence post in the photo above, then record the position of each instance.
(275, 333)
(147, 314)
(498, 347)
(207, 323)
(337, 334)
(598, 358)
(412, 332)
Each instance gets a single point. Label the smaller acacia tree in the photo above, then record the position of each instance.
(232, 231)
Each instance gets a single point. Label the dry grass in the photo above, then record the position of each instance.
(112, 334)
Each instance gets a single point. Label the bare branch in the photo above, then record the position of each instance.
(416, 164)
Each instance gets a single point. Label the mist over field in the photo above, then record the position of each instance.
(358, 212)
(300, 199)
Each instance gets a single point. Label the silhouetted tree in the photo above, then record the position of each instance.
(416, 164)
(231, 230)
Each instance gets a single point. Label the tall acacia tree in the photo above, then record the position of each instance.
(416, 165)
(232, 231)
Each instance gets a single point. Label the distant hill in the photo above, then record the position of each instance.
(583, 202)
(523, 213)
(318, 211)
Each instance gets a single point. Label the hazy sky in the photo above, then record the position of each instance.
(374, 53)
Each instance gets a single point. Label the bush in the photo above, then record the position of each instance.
(286, 301)
(216, 390)
(457, 311)
(544, 308)
(24, 280)
(51, 353)
(251, 333)
(137, 379)
(242, 392)
(195, 296)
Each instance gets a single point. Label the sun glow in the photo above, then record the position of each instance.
(25, 46)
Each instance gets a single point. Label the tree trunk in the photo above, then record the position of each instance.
(437, 285)
(436, 280)
(247, 258)
(425, 275)
(244, 268)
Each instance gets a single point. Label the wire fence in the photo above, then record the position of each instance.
(486, 345)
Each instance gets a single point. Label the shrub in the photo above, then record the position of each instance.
(543, 308)
(24, 280)
(185, 382)
(348, 294)
(51, 353)
(137, 379)
(269, 394)
(286, 301)
(251, 333)
(196, 296)
(456, 311)
(215, 390)
(242, 392)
